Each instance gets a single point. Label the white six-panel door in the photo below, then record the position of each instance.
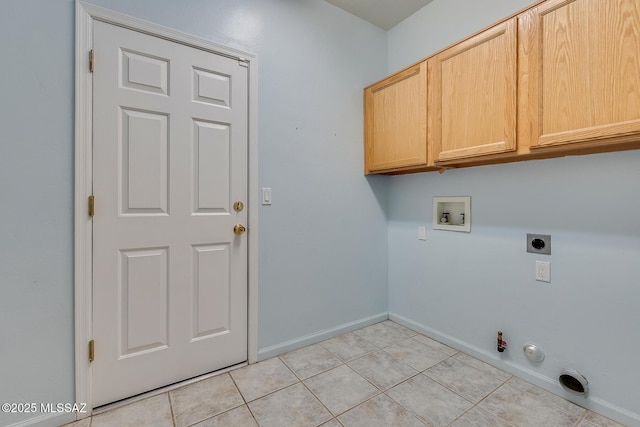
(169, 161)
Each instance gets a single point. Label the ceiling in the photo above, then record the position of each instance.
(383, 13)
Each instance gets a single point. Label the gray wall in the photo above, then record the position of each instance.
(36, 192)
(464, 287)
(323, 242)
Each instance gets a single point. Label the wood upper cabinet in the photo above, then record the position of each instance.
(472, 95)
(580, 73)
(562, 77)
(395, 114)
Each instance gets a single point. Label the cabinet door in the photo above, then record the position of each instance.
(582, 67)
(473, 95)
(396, 121)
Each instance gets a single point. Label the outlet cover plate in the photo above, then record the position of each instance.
(422, 232)
(543, 271)
(539, 243)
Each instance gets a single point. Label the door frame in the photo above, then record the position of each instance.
(86, 15)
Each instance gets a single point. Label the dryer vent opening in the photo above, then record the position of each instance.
(574, 382)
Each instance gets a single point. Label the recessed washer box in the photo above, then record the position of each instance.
(539, 243)
(456, 210)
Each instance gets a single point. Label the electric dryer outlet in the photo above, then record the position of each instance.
(539, 243)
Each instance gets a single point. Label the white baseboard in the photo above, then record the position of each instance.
(595, 404)
(316, 337)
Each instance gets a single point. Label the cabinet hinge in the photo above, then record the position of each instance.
(91, 350)
(91, 60)
(92, 207)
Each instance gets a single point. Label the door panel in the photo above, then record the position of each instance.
(143, 306)
(211, 290)
(144, 162)
(211, 160)
(396, 121)
(211, 87)
(170, 158)
(583, 63)
(473, 96)
(143, 72)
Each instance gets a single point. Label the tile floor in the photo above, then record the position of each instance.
(382, 375)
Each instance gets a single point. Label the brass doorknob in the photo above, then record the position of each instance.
(239, 229)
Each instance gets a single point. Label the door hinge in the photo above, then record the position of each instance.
(92, 206)
(243, 62)
(91, 60)
(91, 350)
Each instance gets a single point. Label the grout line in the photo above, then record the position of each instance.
(361, 376)
(252, 415)
(354, 358)
(216, 415)
(487, 410)
(321, 402)
(377, 393)
(238, 389)
(273, 391)
(529, 390)
(553, 397)
(461, 415)
(405, 408)
(173, 418)
(166, 389)
(317, 373)
(289, 367)
(324, 372)
(450, 389)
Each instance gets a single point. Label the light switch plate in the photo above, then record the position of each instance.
(266, 196)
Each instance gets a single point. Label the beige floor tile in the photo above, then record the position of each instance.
(482, 366)
(262, 378)
(348, 346)
(379, 412)
(332, 423)
(467, 381)
(382, 369)
(399, 328)
(293, 406)
(548, 397)
(309, 361)
(436, 345)
(597, 420)
(430, 401)
(85, 422)
(370, 377)
(154, 411)
(198, 401)
(340, 389)
(416, 354)
(476, 417)
(523, 409)
(238, 417)
(382, 335)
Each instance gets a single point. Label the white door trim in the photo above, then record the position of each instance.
(86, 14)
